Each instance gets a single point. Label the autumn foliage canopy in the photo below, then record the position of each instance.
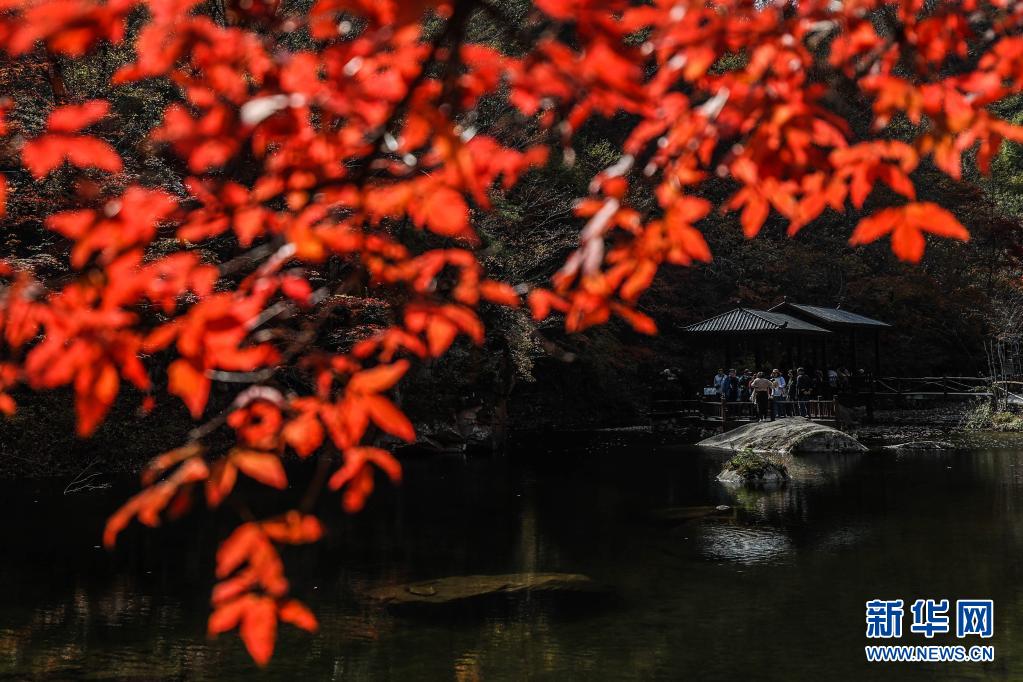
(365, 150)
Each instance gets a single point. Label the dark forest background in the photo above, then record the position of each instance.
(944, 311)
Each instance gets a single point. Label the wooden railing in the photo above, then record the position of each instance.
(672, 406)
(720, 413)
(946, 386)
(1008, 393)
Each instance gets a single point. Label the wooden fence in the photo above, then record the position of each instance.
(722, 414)
(1008, 394)
(945, 387)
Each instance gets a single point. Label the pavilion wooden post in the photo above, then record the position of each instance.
(852, 348)
(877, 353)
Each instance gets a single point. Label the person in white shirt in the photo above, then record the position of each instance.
(777, 392)
(761, 387)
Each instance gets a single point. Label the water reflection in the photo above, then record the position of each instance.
(687, 590)
(746, 545)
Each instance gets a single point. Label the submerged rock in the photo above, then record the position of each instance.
(682, 514)
(461, 588)
(792, 435)
(753, 468)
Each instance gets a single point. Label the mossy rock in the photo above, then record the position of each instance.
(753, 468)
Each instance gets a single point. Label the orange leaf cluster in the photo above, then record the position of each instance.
(62, 141)
(252, 593)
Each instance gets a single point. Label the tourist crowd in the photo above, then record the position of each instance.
(780, 394)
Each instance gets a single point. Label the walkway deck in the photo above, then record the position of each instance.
(670, 408)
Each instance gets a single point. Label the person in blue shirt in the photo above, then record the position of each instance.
(719, 379)
(730, 387)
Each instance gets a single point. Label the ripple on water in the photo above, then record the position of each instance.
(746, 545)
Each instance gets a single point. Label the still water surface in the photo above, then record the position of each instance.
(773, 590)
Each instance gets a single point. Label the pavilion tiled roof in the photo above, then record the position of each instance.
(750, 320)
(830, 316)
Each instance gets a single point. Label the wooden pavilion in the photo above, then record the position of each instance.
(850, 330)
(789, 335)
(783, 339)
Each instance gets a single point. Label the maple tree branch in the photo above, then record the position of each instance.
(454, 25)
(254, 254)
(311, 328)
(318, 481)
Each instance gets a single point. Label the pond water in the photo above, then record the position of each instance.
(774, 589)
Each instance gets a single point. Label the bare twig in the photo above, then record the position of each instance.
(84, 482)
